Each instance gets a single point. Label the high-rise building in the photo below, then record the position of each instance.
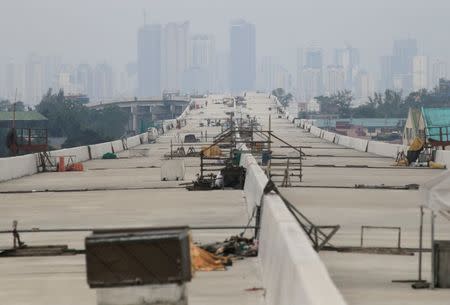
(222, 72)
(34, 80)
(402, 63)
(439, 69)
(84, 79)
(420, 72)
(335, 79)
(127, 81)
(242, 56)
(202, 51)
(313, 58)
(272, 75)
(311, 83)
(13, 81)
(348, 59)
(199, 77)
(103, 82)
(175, 55)
(149, 60)
(386, 81)
(364, 85)
(309, 73)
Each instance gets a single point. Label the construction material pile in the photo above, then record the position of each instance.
(235, 246)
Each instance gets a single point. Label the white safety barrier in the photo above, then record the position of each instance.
(359, 144)
(79, 154)
(443, 156)
(144, 137)
(16, 167)
(384, 149)
(133, 141)
(117, 146)
(98, 150)
(355, 143)
(173, 170)
(292, 271)
(315, 131)
(255, 181)
(329, 136)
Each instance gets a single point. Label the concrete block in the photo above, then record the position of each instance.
(98, 150)
(16, 167)
(144, 137)
(117, 145)
(442, 156)
(384, 149)
(80, 153)
(133, 141)
(329, 136)
(173, 170)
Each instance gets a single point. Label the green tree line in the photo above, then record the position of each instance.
(80, 124)
(390, 104)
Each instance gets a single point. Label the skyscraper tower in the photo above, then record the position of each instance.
(242, 56)
(149, 60)
(175, 56)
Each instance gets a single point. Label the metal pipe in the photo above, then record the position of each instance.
(420, 243)
(61, 230)
(433, 280)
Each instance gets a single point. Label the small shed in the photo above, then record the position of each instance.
(432, 125)
(414, 126)
(24, 119)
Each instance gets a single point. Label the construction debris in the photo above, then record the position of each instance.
(235, 246)
(203, 260)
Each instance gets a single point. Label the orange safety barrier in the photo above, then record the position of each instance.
(75, 167)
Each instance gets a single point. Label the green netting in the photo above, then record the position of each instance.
(437, 122)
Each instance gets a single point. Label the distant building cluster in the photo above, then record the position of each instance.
(170, 58)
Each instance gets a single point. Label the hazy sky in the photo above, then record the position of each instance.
(97, 30)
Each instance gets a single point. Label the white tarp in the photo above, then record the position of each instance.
(173, 170)
(436, 193)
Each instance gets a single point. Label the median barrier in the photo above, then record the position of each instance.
(79, 154)
(443, 156)
(117, 146)
(98, 150)
(384, 149)
(329, 136)
(16, 167)
(292, 272)
(133, 141)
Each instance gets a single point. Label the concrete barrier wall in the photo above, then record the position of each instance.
(384, 149)
(359, 144)
(133, 141)
(329, 136)
(16, 167)
(80, 153)
(144, 137)
(315, 131)
(98, 150)
(255, 181)
(117, 145)
(443, 156)
(292, 271)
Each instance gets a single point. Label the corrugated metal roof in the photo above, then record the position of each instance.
(437, 122)
(22, 116)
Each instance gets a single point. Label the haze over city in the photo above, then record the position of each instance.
(105, 32)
